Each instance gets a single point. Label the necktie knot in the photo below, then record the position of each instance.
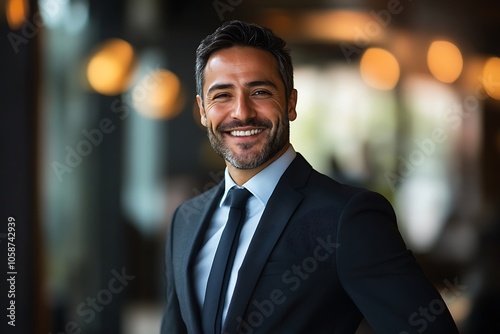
(238, 198)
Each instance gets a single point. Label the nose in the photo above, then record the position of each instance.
(243, 109)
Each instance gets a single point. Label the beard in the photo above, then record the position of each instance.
(276, 140)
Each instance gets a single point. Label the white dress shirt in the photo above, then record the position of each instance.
(261, 186)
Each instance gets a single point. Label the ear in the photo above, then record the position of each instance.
(292, 104)
(203, 115)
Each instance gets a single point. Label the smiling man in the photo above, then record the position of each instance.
(246, 109)
(277, 247)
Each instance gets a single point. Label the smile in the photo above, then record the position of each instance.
(245, 133)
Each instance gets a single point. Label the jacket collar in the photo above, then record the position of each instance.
(198, 214)
(280, 208)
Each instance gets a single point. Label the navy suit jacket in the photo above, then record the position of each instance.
(324, 256)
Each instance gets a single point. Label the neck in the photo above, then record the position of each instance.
(241, 176)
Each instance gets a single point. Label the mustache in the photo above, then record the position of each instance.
(225, 127)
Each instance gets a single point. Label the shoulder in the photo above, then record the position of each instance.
(323, 186)
(321, 192)
(305, 178)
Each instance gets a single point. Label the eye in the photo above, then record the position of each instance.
(261, 92)
(221, 96)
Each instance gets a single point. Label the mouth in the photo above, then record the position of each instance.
(245, 133)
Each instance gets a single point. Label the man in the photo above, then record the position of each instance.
(313, 256)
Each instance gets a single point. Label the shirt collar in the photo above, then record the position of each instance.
(263, 183)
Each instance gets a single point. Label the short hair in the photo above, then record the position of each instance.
(239, 33)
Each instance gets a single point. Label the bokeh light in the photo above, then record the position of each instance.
(445, 61)
(159, 95)
(379, 69)
(491, 77)
(341, 25)
(110, 67)
(16, 11)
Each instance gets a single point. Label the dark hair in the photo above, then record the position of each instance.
(238, 33)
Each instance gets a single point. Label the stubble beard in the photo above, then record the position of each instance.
(275, 142)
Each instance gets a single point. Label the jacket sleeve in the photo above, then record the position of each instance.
(381, 276)
(172, 322)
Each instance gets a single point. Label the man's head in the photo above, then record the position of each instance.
(246, 96)
(238, 33)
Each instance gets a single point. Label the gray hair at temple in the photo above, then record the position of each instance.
(238, 33)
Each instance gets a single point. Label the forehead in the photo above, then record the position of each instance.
(241, 63)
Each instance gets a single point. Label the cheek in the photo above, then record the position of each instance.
(277, 116)
(271, 109)
(212, 120)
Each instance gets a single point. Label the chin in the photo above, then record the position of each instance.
(246, 160)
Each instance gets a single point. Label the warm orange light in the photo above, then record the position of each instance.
(342, 25)
(280, 21)
(16, 11)
(472, 74)
(159, 95)
(379, 69)
(445, 61)
(491, 77)
(110, 67)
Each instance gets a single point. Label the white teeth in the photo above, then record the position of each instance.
(245, 133)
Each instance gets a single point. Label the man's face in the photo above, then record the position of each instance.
(244, 107)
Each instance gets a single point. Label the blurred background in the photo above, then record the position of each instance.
(101, 141)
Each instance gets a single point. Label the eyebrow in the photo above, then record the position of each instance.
(219, 87)
(248, 84)
(261, 83)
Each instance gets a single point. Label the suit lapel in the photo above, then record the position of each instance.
(275, 217)
(199, 219)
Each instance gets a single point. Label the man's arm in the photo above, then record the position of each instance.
(381, 276)
(172, 321)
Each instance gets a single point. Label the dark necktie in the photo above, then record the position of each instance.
(218, 279)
